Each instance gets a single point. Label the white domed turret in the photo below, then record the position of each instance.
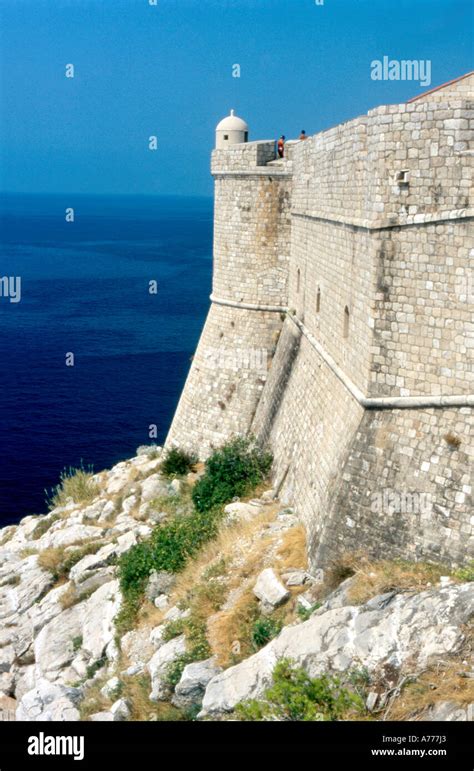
(231, 131)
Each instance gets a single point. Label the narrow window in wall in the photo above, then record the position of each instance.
(298, 279)
(318, 300)
(346, 322)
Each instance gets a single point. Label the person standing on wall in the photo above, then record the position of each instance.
(303, 134)
(281, 146)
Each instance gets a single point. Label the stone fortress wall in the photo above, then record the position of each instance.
(350, 262)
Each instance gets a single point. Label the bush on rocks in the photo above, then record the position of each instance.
(177, 463)
(232, 471)
(294, 695)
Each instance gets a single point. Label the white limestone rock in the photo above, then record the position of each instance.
(102, 717)
(152, 487)
(82, 569)
(7, 657)
(24, 680)
(295, 578)
(111, 687)
(67, 535)
(129, 504)
(447, 711)
(98, 628)
(149, 449)
(175, 487)
(50, 702)
(242, 511)
(175, 614)
(159, 582)
(108, 512)
(96, 579)
(118, 478)
(92, 513)
(156, 636)
(136, 646)
(160, 662)
(54, 647)
(120, 710)
(125, 542)
(45, 610)
(269, 589)
(410, 631)
(190, 689)
(34, 581)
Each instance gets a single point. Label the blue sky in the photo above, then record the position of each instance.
(166, 70)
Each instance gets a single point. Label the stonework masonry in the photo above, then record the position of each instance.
(341, 330)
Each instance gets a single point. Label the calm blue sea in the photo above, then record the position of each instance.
(85, 290)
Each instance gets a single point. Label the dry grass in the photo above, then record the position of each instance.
(441, 683)
(376, 577)
(231, 560)
(45, 522)
(229, 631)
(237, 545)
(136, 691)
(217, 585)
(94, 701)
(50, 559)
(8, 533)
(75, 483)
(28, 552)
(69, 597)
(292, 551)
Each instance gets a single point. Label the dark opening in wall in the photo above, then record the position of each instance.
(318, 300)
(346, 322)
(298, 279)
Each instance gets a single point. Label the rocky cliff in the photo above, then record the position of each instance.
(208, 637)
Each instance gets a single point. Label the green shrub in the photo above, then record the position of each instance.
(173, 629)
(263, 630)
(95, 666)
(76, 643)
(294, 696)
(177, 463)
(169, 548)
(175, 670)
(231, 471)
(305, 613)
(465, 573)
(74, 483)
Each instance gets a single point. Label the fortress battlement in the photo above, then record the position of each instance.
(350, 262)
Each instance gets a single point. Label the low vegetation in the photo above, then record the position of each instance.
(231, 471)
(295, 696)
(177, 463)
(372, 577)
(59, 561)
(75, 483)
(43, 525)
(265, 629)
(194, 521)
